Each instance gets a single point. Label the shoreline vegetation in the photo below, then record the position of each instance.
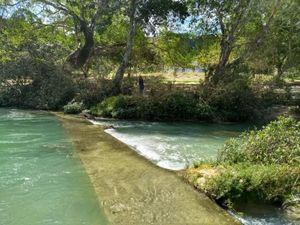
(259, 166)
(132, 190)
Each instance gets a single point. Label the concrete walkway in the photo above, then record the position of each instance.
(132, 190)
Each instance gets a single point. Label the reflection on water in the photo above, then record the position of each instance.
(174, 145)
(41, 182)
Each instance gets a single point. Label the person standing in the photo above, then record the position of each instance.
(141, 85)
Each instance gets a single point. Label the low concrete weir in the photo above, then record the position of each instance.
(132, 190)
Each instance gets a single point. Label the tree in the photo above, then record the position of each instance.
(86, 17)
(22, 32)
(281, 47)
(208, 54)
(231, 19)
(148, 14)
(131, 31)
(177, 49)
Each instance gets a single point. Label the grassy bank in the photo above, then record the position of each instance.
(261, 165)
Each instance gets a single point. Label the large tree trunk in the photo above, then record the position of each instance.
(79, 58)
(220, 69)
(124, 64)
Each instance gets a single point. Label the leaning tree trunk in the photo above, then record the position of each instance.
(79, 58)
(124, 64)
(220, 70)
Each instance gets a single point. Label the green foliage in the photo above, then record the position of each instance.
(172, 106)
(90, 92)
(281, 45)
(73, 107)
(277, 143)
(240, 100)
(179, 105)
(264, 164)
(270, 183)
(261, 165)
(32, 83)
(115, 107)
(234, 101)
(177, 50)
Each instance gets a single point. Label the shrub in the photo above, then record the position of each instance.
(121, 106)
(277, 143)
(234, 101)
(173, 106)
(73, 107)
(260, 165)
(179, 106)
(36, 84)
(269, 183)
(90, 92)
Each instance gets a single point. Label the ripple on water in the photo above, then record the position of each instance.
(41, 183)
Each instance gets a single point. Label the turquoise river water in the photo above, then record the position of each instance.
(174, 146)
(41, 181)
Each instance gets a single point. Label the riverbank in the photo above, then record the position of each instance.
(131, 189)
(260, 167)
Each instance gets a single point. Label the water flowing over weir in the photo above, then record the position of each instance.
(174, 146)
(132, 190)
(42, 182)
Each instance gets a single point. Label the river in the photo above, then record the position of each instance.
(42, 181)
(174, 146)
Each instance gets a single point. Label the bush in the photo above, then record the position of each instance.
(234, 101)
(122, 107)
(73, 107)
(277, 143)
(35, 84)
(177, 105)
(269, 183)
(90, 92)
(260, 165)
(173, 106)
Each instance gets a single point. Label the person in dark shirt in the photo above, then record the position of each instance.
(141, 84)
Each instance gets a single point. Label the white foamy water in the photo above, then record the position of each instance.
(173, 146)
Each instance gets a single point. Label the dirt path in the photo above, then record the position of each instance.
(133, 191)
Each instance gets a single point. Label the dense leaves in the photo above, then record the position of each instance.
(172, 106)
(271, 183)
(277, 143)
(261, 165)
(30, 83)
